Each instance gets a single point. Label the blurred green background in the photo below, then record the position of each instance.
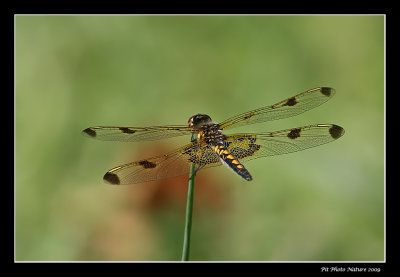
(73, 72)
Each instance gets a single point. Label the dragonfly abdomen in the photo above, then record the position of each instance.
(230, 160)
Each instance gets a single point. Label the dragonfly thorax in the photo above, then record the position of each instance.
(209, 134)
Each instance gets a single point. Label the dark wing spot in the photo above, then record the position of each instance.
(291, 101)
(111, 178)
(127, 130)
(326, 91)
(295, 133)
(90, 132)
(336, 131)
(147, 164)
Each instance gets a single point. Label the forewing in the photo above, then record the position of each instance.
(251, 146)
(130, 134)
(174, 164)
(290, 107)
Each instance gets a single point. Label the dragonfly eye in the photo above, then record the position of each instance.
(198, 120)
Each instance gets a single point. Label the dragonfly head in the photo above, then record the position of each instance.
(198, 120)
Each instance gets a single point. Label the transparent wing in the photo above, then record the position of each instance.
(136, 133)
(243, 146)
(290, 107)
(174, 164)
(251, 146)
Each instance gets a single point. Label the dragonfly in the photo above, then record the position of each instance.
(210, 147)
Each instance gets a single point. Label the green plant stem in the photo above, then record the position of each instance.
(189, 212)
